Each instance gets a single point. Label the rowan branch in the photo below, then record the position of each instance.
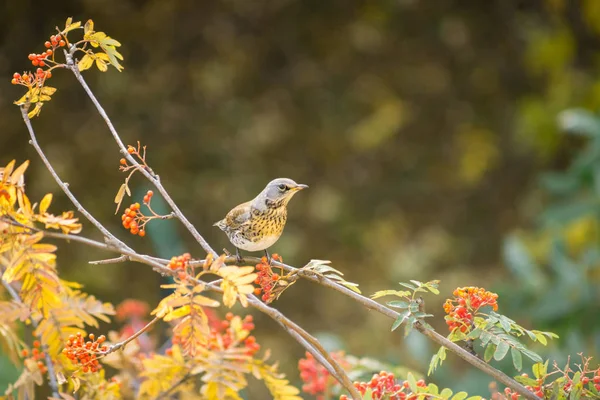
(148, 173)
(51, 373)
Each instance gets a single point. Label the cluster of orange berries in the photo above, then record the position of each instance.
(467, 301)
(37, 356)
(180, 263)
(131, 217)
(384, 385)
(30, 79)
(266, 278)
(226, 336)
(315, 376)
(55, 41)
(84, 353)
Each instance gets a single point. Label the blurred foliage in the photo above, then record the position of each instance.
(421, 129)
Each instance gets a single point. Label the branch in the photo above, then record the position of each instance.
(149, 174)
(122, 344)
(51, 373)
(304, 338)
(63, 185)
(174, 386)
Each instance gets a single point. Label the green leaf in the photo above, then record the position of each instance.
(534, 356)
(432, 389)
(485, 337)
(401, 318)
(501, 351)
(540, 369)
(525, 380)
(446, 393)
(399, 293)
(408, 285)
(398, 304)
(516, 359)
(460, 396)
(408, 326)
(489, 352)
(474, 334)
(412, 383)
(541, 338)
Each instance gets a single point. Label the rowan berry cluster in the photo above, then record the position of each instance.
(314, 375)
(36, 356)
(55, 41)
(84, 352)
(466, 302)
(384, 385)
(29, 79)
(133, 219)
(266, 278)
(39, 60)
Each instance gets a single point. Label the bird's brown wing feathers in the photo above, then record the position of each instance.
(237, 216)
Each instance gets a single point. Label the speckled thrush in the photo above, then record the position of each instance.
(257, 224)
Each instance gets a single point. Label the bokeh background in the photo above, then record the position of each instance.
(451, 140)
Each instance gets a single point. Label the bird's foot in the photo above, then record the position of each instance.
(238, 257)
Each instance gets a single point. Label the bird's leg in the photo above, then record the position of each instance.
(268, 256)
(238, 256)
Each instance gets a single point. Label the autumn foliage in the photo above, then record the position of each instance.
(210, 352)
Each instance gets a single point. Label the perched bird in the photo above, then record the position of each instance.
(257, 224)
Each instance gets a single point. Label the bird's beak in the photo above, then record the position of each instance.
(300, 187)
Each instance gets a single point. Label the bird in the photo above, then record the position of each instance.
(257, 224)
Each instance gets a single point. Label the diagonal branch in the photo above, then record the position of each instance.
(149, 174)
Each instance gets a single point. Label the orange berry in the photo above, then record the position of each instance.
(41, 63)
(17, 75)
(142, 233)
(14, 81)
(40, 364)
(150, 193)
(130, 150)
(35, 62)
(24, 353)
(257, 292)
(101, 339)
(36, 343)
(91, 336)
(123, 161)
(62, 43)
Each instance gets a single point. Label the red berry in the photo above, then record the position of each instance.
(36, 343)
(47, 44)
(597, 379)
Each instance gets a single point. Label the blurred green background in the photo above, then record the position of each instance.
(450, 140)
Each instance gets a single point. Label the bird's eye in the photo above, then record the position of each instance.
(282, 188)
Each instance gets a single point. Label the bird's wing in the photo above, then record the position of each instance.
(239, 215)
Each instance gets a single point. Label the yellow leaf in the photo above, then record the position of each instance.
(101, 65)
(16, 176)
(119, 197)
(179, 313)
(45, 203)
(36, 111)
(85, 63)
(205, 301)
(88, 27)
(70, 25)
(5, 173)
(76, 383)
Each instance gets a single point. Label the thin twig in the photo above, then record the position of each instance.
(51, 373)
(63, 185)
(115, 260)
(152, 177)
(122, 344)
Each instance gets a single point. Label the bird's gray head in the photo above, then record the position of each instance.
(279, 191)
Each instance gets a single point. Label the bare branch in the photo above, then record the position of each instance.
(115, 260)
(51, 373)
(149, 174)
